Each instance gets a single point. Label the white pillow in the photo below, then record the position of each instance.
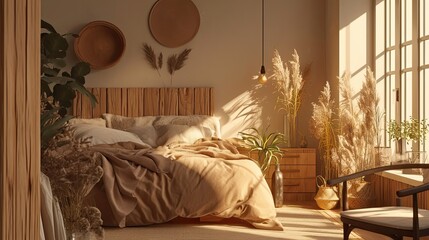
(168, 134)
(103, 135)
(91, 121)
(147, 134)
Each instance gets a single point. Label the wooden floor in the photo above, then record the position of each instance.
(300, 221)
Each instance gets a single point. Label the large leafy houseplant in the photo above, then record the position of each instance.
(266, 144)
(58, 86)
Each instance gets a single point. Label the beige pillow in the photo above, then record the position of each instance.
(91, 121)
(122, 123)
(168, 134)
(147, 134)
(206, 121)
(103, 135)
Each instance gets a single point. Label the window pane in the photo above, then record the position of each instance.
(406, 20)
(390, 61)
(406, 95)
(390, 24)
(424, 52)
(391, 96)
(406, 56)
(424, 20)
(424, 102)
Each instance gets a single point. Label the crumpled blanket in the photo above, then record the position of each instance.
(146, 186)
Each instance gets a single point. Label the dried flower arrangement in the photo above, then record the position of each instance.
(322, 126)
(358, 128)
(350, 150)
(174, 62)
(289, 85)
(73, 171)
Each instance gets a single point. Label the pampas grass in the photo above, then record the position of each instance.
(352, 149)
(358, 128)
(323, 129)
(289, 84)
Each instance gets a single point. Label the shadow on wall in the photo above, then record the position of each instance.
(242, 112)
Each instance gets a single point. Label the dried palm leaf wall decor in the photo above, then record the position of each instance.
(174, 62)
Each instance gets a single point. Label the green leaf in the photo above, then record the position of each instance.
(57, 80)
(50, 71)
(64, 94)
(55, 46)
(57, 62)
(48, 26)
(80, 69)
(80, 88)
(45, 89)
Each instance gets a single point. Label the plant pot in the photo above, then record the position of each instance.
(277, 186)
(326, 197)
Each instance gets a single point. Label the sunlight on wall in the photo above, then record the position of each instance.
(242, 112)
(354, 50)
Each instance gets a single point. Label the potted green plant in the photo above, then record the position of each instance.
(412, 130)
(58, 87)
(267, 146)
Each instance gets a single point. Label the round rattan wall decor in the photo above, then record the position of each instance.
(100, 43)
(174, 22)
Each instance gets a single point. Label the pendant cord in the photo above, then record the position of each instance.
(263, 31)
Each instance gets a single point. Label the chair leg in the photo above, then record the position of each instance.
(347, 229)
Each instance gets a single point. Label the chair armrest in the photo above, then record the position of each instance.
(367, 172)
(413, 190)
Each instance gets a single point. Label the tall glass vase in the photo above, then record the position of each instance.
(290, 130)
(277, 186)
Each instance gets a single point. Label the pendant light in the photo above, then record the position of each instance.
(262, 78)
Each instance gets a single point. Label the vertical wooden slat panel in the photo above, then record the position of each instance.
(386, 193)
(141, 101)
(171, 101)
(147, 101)
(211, 112)
(151, 102)
(202, 101)
(86, 106)
(77, 106)
(20, 119)
(124, 101)
(186, 99)
(133, 102)
(114, 100)
(97, 110)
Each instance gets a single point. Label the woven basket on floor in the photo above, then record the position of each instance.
(326, 198)
(361, 195)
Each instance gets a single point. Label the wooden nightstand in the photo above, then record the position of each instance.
(298, 166)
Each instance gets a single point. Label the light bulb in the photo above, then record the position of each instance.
(262, 78)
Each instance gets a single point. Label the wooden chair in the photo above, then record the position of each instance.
(393, 221)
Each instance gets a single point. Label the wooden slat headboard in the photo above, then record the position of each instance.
(135, 102)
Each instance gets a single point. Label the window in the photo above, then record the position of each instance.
(406, 60)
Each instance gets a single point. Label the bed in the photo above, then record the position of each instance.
(163, 157)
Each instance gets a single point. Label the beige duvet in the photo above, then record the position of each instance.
(140, 187)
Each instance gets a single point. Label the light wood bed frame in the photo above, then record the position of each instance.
(133, 102)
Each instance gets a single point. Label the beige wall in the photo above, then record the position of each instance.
(226, 52)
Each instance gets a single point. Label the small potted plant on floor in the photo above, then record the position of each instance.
(267, 146)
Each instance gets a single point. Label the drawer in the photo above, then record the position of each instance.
(294, 171)
(299, 185)
(301, 156)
